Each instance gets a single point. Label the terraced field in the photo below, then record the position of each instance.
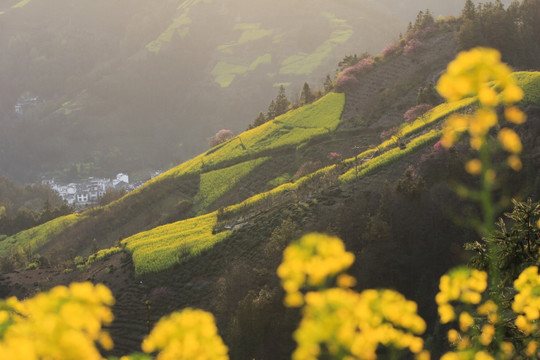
(162, 247)
(221, 168)
(32, 239)
(215, 184)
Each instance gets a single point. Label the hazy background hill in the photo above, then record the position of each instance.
(132, 85)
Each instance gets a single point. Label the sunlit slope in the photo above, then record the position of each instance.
(150, 249)
(162, 247)
(530, 83)
(214, 184)
(198, 180)
(289, 130)
(34, 238)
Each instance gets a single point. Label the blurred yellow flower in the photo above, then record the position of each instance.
(514, 115)
(510, 141)
(311, 262)
(532, 347)
(345, 322)
(189, 334)
(514, 162)
(465, 321)
(64, 323)
(473, 167)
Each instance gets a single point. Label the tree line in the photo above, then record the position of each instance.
(513, 31)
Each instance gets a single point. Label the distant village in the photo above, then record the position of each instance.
(87, 193)
(82, 193)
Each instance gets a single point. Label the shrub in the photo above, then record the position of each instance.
(416, 111)
(412, 46)
(390, 50)
(346, 82)
(334, 156)
(220, 137)
(348, 77)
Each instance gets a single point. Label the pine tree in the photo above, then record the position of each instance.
(469, 10)
(281, 103)
(261, 119)
(328, 84)
(306, 97)
(271, 113)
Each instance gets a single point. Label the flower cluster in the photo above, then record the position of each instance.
(311, 261)
(480, 72)
(476, 324)
(361, 66)
(460, 285)
(190, 334)
(390, 50)
(477, 328)
(339, 322)
(64, 323)
(412, 46)
(348, 325)
(416, 111)
(527, 300)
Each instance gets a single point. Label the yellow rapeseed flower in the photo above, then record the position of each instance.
(507, 348)
(63, 323)
(310, 262)
(345, 322)
(190, 334)
(473, 167)
(488, 331)
(450, 356)
(514, 115)
(465, 321)
(514, 162)
(532, 348)
(510, 140)
(479, 72)
(453, 336)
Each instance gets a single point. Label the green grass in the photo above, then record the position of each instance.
(305, 64)
(215, 184)
(530, 83)
(38, 236)
(160, 248)
(20, 4)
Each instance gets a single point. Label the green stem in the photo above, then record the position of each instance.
(488, 228)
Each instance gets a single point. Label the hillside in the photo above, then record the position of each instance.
(209, 232)
(261, 159)
(128, 91)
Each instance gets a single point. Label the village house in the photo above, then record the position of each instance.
(88, 192)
